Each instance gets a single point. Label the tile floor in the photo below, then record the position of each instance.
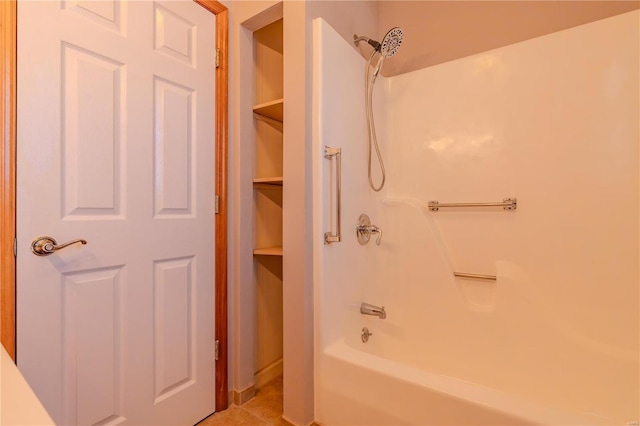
(264, 409)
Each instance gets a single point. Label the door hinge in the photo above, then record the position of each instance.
(217, 204)
(217, 58)
(217, 350)
(15, 247)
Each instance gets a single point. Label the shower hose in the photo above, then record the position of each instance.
(369, 80)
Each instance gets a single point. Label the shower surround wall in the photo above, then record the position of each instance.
(553, 121)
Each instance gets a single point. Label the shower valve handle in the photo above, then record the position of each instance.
(375, 230)
(364, 229)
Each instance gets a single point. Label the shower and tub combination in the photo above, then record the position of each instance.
(478, 308)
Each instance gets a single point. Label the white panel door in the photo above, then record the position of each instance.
(116, 146)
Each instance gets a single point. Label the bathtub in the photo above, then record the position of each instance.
(358, 388)
(554, 340)
(450, 351)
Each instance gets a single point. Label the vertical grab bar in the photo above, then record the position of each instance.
(328, 154)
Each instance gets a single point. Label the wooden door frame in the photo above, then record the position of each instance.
(8, 112)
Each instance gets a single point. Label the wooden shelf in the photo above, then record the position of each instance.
(272, 110)
(269, 251)
(268, 182)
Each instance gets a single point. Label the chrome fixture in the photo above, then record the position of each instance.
(364, 229)
(44, 246)
(389, 46)
(507, 204)
(329, 153)
(376, 311)
(391, 42)
(357, 39)
(475, 276)
(365, 334)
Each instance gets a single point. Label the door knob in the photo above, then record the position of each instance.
(44, 246)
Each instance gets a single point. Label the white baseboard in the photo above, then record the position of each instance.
(240, 397)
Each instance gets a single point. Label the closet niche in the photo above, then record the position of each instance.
(267, 198)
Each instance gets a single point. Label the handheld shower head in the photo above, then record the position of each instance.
(389, 46)
(391, 42)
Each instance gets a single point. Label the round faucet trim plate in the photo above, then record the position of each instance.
(364, 335)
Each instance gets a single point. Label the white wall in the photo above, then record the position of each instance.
(553, 121)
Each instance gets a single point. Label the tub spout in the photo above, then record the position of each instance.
(367, 309)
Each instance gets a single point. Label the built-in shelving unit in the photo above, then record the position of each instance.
(268, 180)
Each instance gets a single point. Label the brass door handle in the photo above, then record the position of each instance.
(44, 246)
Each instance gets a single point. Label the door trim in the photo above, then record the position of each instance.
(222, 121)
(8, 78)
(8, 49)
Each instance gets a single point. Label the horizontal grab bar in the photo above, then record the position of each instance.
(507, 204)
(475, 276)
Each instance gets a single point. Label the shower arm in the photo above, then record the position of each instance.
(357, 39)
